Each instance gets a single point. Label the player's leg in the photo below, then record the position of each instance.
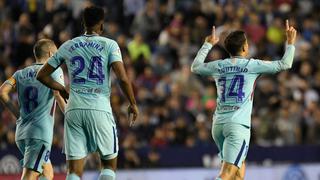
(107, 143)
(241, 172)
(75, 144)
(217, 135)
(235, 148)
(47, 173)
(29, 174)
(75, 169)
(228, 171)
(36, 154)
(108, 169)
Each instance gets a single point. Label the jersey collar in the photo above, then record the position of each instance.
(239, 57)
(89, 35)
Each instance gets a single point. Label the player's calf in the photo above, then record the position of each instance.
(75, 169)
(108, 168)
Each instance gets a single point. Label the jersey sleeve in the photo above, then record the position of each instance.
(57, 75)
(261, 67)
(114, 53)
(57, 59)
(12, 80)
(199, 66)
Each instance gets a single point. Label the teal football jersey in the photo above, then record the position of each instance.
(88, 59)
(36, 103)
(235, 81)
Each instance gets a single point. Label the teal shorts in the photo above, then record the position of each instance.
(232, 141)
(88, 131)
(35, 153)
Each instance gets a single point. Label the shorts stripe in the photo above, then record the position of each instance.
(240, 153)
(114, 141)
(39, 158)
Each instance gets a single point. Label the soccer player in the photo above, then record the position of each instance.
(89, 123)
(235, 81)
(34, 130)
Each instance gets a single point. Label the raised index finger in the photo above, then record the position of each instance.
(287, 24)
(213, 33)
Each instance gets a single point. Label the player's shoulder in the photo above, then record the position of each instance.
(107, 40)
(29, 71)
(32, 67)
(258, 61)
(17, 73)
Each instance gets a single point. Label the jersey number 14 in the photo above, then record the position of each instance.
(235, 90)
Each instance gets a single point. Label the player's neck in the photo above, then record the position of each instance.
(40, 61)
(91, 32)
(241, 55)
(238, 56)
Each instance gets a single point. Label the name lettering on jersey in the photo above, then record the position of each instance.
(87, 44)
(232, 69)
(30, 74)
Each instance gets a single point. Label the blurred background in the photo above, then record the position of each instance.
(158, 41)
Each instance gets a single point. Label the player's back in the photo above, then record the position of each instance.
(235, 85)
(36, 104)
(88, 59)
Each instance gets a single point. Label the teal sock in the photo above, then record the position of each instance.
(107, 174)
(72, 176)
(218, 178)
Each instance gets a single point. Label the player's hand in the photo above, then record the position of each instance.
(291, 33)
(64, 94)
(212, 39)
(133, 113)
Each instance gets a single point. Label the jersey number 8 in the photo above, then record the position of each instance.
(31, 97)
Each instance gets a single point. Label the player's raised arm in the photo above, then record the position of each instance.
(286, 60)
(198, 66)
(126, 87)
(5, 90)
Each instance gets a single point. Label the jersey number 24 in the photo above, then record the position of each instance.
(95, 70)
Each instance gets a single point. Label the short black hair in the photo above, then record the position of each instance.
(42, 47)
(234, 42)
(92, 15)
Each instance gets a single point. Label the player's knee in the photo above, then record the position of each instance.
(239, 176)
(47, 171)
(75, 170)
(227, 175)
(228, 171)
(109, 164)
(29, 175)
(75, 167)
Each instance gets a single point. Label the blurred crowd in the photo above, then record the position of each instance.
(158, 41)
